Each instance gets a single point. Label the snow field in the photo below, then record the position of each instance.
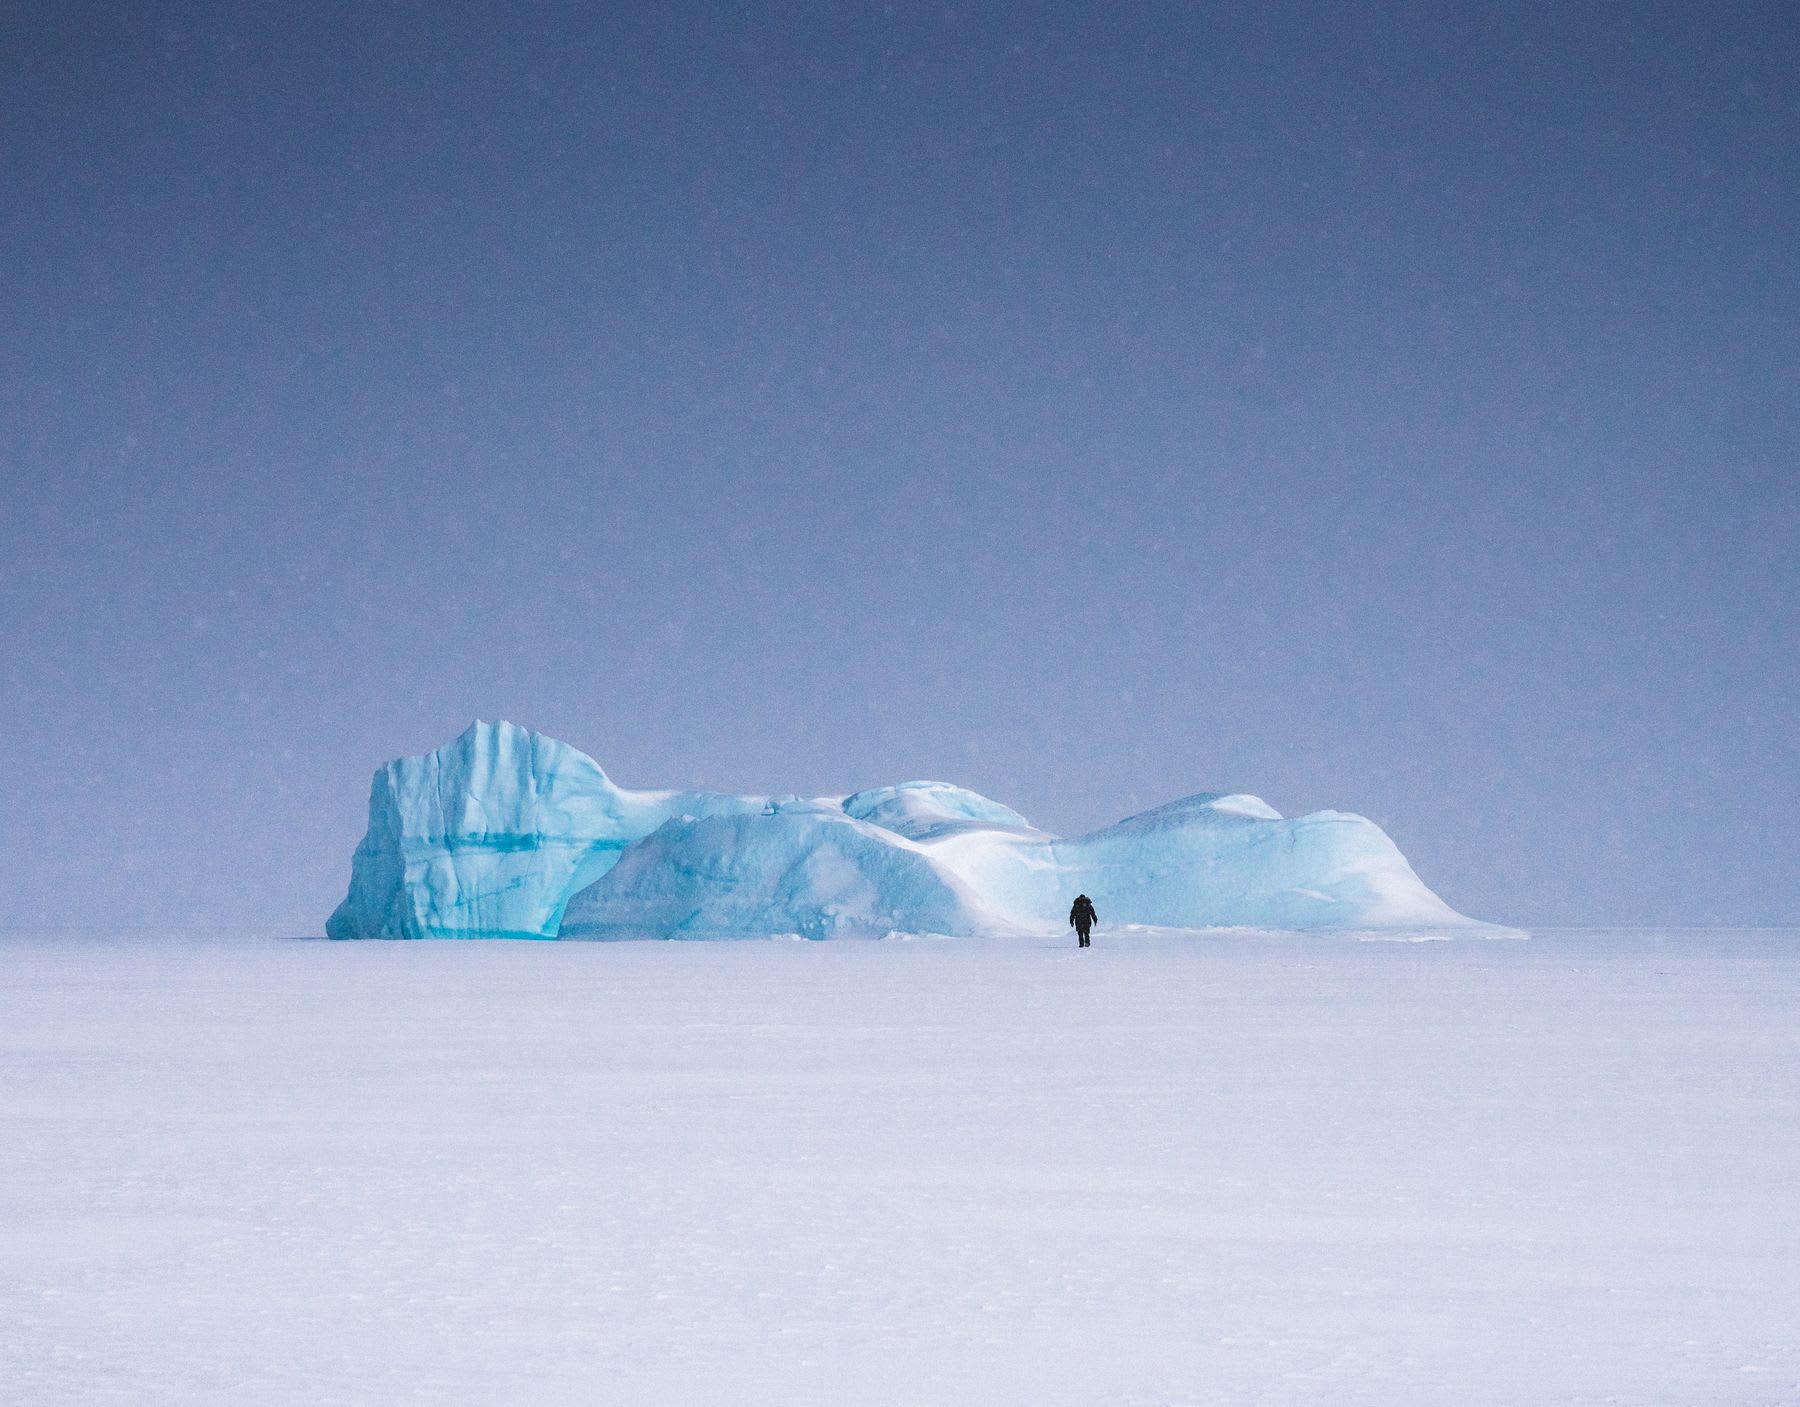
(1220, 1169)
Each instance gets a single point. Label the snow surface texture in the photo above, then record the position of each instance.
(507, 833)
(1222, 1170)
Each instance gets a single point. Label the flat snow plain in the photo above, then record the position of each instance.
(1210, 1169)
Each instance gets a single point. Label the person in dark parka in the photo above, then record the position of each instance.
(1082, 917)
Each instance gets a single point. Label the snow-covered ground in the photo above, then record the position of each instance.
(1173, 1169)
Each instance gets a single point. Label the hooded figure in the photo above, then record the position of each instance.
(1082, 917)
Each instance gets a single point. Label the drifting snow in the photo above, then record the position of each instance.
(507, 833)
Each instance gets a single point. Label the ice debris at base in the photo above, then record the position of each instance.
(508, 833)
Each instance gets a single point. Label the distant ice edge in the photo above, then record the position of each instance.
(508, 833)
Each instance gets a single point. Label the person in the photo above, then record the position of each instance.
(1082, 917)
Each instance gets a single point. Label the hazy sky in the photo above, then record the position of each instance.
(1392, 407)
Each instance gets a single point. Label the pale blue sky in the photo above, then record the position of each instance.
(1391, 407)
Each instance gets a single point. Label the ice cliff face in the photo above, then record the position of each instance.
(489, 836)
(507, 833)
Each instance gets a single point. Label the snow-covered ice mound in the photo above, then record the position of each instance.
(507, 833)
(927, 810)
(799, 867)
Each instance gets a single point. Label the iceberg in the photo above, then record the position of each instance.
(509, 833)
